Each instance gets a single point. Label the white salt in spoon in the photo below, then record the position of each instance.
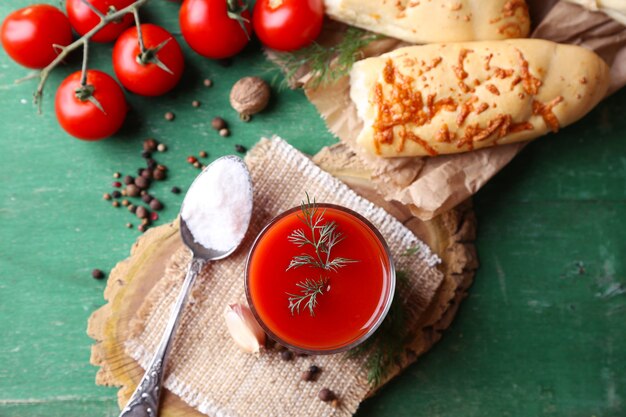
(214, 218)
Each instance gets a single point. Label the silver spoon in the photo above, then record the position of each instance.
(145, 400)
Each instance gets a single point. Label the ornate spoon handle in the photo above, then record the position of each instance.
(145, 400)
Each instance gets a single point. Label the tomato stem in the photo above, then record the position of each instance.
(235, 8)
(142, 46)
(83, 75)
(82, 41)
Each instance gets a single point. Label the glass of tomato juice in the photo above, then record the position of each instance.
(350, 274)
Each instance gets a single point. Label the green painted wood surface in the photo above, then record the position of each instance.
(541, 334)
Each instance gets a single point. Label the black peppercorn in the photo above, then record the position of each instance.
(146, 198)
(146, 154)
(116, 194)
(128, 180)
(97, 273)
(286, 355)
(175, 190)
(240, 148)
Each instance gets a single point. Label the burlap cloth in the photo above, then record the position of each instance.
(207, 370)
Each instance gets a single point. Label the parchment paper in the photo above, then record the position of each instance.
(432, 185)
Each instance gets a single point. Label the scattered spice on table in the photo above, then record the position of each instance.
(195, 103)
(169, 116)
(218, 123)
(175, 190)
(286, 355)
(106, 196)
(203, 154)
(116, 175)
(207, 82)
(97, 273)
(161, 147)
(224, 132)
(326, 395)
(240, 148)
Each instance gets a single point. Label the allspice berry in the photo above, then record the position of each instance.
(326, 395)
(141, 212)
(159, 174)
(132, 190)
(150, 144)
(156, 204)
(218, 123)
(249, 96)
(142, 182)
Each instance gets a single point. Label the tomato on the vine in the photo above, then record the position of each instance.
(29, 34)
(83, 19)
(91, 112)
(287, 25)
(154, 72)
(215, 28)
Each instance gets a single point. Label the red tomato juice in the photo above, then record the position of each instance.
(355, 298)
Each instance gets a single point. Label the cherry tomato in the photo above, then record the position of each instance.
(209, 30)
(83, 19)
(28, 34)
(82, 118)
(287, 25)
(142, 75)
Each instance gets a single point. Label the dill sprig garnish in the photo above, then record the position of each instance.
(310, 290)
(322, 236)
(387, 345)
(326, 63)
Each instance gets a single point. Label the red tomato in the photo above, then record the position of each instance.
(83, 19)
(287, 25)
(209, 30)
(147, 78)
(28, 34)
(83, 119)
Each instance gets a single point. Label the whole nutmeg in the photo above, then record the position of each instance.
(249, 95)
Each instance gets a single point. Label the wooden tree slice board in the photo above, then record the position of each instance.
(450, 235)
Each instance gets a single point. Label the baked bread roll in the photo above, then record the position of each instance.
(427, 21)
(447, 98)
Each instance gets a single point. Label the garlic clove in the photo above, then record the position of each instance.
(244, 328)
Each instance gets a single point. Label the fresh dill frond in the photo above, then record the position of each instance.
(321, 236)
(326, 63)
(310, 289)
